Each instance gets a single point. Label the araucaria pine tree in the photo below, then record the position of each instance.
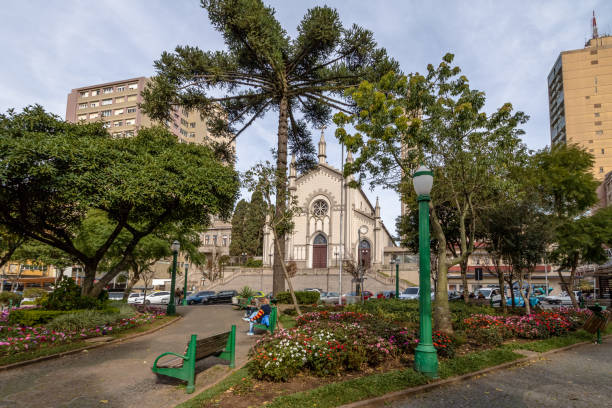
(262, 69)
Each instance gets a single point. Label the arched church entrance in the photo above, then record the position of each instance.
(319, 252)
(365, 253)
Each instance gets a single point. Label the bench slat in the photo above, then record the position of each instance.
(172, 363)
(211, 345)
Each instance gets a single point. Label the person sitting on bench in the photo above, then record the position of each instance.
(263, 315)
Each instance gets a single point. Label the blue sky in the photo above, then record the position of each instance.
(506, 49)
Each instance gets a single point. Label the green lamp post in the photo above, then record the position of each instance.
(395, 261)
(425, 357)
(185, 289)
(171, 309)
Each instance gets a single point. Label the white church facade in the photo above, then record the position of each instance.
(332, 224)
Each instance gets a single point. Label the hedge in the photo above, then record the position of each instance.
(303, 298)
(33, 317)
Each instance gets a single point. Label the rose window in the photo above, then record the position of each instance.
(320, 208)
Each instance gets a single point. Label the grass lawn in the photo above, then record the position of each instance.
(288, 322)
(552, 343)
(61, 348)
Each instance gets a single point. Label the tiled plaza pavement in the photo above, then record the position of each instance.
(119, 375)
(579, 377)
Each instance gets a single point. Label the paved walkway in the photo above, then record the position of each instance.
(579, 377)
(119, 375)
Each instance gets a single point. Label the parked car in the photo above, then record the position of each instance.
(563, 298)
(412, 293)
(115, 295)
(454, 295)
(313, 290)
(385, 294)
(224, 296)
(519, 302)
(135, 298)
(491, 294)
(199, 297)
(157, 298)
(330, 297)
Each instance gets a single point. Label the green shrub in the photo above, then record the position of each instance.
(67, 296)
(33, 317)
(246, 292)
(34, 292)
(253, 263)
(303, 298)
(491, 336)
(6, 297)
(89, 319)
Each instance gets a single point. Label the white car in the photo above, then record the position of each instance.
(158, 298)
(412, 293)
(561, 299)
(135, 298)
(330, 297)
(491, 294)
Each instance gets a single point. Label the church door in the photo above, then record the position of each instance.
(319, 252)
(364, 253)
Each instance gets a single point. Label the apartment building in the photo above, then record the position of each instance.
(116, 103)
(580, 100)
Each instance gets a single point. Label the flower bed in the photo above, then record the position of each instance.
(15, 339)
(326, 343)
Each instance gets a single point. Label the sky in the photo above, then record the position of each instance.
(506, 48)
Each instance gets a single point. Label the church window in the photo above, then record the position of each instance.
(320, 208)
(320, 240)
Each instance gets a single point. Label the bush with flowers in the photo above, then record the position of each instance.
(327, 343)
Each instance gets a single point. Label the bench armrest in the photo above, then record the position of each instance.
(168, 354)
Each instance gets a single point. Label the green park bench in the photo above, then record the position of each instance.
(244, 303)
(222, 345)
(272, 320)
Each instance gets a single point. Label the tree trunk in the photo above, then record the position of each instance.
(464, 282)
(525, 298)
(441, 307)
(278, 281)
(286, 275)
(570, 287)
(130, 283)
(502, 292)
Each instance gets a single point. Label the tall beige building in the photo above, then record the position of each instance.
(580, 100)
(116, 105)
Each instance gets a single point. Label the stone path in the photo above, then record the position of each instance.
(119, 375)
(579, 377)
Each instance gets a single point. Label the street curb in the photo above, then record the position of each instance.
(393, 396)
(93, 346)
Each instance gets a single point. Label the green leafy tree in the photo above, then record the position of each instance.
(567, 189)
(238, 244)
(9, 243)
(263, 70)
(254, 222)
(437, 119)
(54, 174)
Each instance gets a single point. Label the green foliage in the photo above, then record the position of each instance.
(32, 317)
(238, 244)
(6, 297)
(246, 292)
(303, 298)
(78, 189)
(67, 296)
(33, 292)
(89, 319)
(253, 263)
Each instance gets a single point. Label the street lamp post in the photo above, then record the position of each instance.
(425, 357)
(171, 308)
(395, 261)
(185, 289)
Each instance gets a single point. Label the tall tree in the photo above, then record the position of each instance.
(238, 244)
(263, 69)
(255, 221)
(54, 174)
(436, 119)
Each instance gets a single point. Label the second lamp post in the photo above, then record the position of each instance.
(425, 357)
(171, 308)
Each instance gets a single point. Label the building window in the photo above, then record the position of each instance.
(319, 208)
(93, 115)
(129, 133)
(587, 97)
(192, 124)
(130, 122)
(82, 117)
(118, 111)
(591, 150)
(598, 123)
(133, 86)
(601, 169)
(214, 240)
(192, 134)
(120, 88)
(131, 109)
(119, 100)
(599, 132)
(82, 105)
(117, 134)
(106, 125)
(593, 52)
(597, 114)
(603, 151)
(590, 141)
(95, 93)
(84, 94)
(107, 102)
(132, 98)
(118, 123)
(107, 90)
(207, 240)
(94, 104)
(224, 240)
(595, 62)
(597, 105)
(106, 113)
